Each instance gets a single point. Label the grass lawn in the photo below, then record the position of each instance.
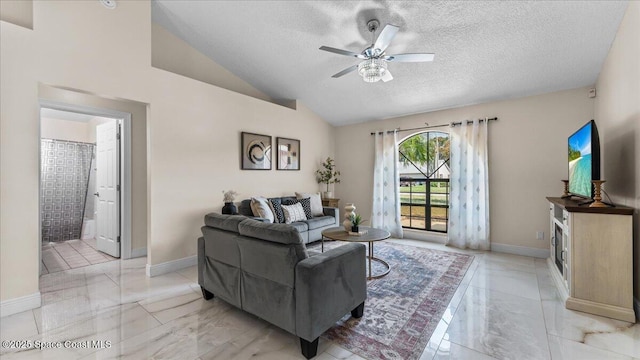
(417, 198)
(418, 211)
(423, 188)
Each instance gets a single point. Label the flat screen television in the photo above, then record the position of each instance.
(584, 160)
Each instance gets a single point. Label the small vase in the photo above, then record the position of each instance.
(348, 211)
(327, 194)
(229, 208)
(355, 229)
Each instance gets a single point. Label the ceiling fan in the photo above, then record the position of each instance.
(373, 68)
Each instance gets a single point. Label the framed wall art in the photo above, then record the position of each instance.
(288, 154)
(255, 150)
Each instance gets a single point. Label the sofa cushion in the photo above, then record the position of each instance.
(318, 222)
(276, 208)
(293, 213)
(315, 203)
(279, 233)
(244, 208)
(301, 226)
(260, 208)
(224, 222)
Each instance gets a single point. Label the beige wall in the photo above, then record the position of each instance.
(527, 158)
(65, 130)
(19, 12)
(617, 114)
(192, 129)
(168, 52)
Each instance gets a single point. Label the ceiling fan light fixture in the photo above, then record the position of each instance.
(372, 70)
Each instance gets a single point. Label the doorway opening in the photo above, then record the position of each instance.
(82, 192)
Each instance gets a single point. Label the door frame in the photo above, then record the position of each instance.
(125, 168)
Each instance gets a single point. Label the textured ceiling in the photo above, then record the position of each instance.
(485, 51)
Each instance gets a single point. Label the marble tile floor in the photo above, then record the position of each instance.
(505, 308)
(71, 254)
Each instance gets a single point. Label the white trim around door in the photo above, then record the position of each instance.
(125, 170)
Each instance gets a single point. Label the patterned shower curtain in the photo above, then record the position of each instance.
(65, 177)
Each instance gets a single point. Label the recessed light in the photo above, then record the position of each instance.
(109, 4)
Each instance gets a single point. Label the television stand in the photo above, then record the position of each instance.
(577, 200)
(591, 259)
(585, 202)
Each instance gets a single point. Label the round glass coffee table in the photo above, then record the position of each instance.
(372, 235)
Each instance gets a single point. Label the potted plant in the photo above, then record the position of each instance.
(356, 220)
(327, 175)
(229, 207)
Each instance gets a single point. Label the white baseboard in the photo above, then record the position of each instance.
(636, 307)
(20, 304)
(171, 266)
(521, 250)
(139, 252)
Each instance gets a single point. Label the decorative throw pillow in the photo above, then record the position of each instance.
(316, 203)
(260, 208)
(289, 201)
(306, 205)
(276, 208)
(293, 213)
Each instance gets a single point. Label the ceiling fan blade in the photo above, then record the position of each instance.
(342, 52)
(409, 57)
(385, 37)
(387, 76)
(345, 71)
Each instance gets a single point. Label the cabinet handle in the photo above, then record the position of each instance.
(562, 253)
(553, 240)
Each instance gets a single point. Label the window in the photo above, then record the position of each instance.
(424, 181)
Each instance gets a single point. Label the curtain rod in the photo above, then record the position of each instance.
(435, 126)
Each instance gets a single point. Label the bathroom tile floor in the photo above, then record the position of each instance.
(506, 307)
(71, 254)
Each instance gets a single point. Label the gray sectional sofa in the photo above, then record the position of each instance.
(265, 269)
(311, 229)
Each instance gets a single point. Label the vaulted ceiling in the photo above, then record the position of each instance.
(485, 51)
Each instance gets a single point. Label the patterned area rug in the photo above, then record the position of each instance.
(403, 308)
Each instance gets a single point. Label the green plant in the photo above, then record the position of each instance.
(355, 219)
(328, 175)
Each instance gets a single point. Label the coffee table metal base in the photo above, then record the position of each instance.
(371, 258)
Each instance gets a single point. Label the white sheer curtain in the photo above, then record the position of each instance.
(469, 180)
(386, 185)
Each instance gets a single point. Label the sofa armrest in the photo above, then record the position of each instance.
(328, 286)
(331, 211)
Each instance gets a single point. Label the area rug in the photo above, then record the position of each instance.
(403, 308)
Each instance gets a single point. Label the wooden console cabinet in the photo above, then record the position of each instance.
(330, 202)
(591, 258)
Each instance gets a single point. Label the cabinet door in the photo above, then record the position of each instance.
(566, 249)
(552, 231)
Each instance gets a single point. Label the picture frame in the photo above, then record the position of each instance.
(255, 151)
(288, 151)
